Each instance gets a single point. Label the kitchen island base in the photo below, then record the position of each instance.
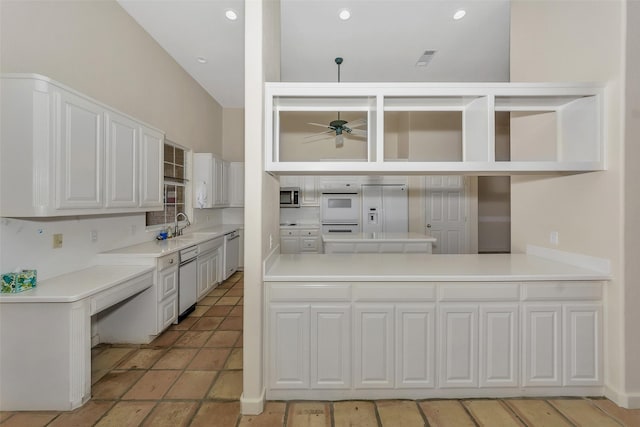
(329, 340)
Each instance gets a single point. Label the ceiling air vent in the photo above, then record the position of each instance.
(426, 57)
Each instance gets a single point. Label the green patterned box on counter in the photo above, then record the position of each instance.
(18, 282)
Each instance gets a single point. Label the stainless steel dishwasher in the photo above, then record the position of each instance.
(188, 282)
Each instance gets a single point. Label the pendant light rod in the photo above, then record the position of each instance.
(339, 62)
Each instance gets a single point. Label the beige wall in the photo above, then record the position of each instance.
(233, 134)
(96, 48)
(576, 41)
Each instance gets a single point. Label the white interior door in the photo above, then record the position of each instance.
(446, 214)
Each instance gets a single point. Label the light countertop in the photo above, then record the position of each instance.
(78, 285)
(423, 267)
(158, 248)
(378, 237)
(295, 225)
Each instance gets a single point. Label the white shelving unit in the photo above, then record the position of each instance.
(553, 127)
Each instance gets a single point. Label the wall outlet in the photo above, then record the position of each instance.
(554, 239)
(57, 241)
(94, 236)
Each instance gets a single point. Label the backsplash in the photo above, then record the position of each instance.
(28, 243)
(302, 215)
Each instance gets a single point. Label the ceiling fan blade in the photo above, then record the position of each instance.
(317, 134)
(356, 123)
(358, 132)
(321, 125)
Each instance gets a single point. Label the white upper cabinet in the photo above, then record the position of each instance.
(236, 184)
(151, 173)
(217, 183)
(431, 128)
(63, 153)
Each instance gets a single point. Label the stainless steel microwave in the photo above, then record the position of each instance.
(290, 197)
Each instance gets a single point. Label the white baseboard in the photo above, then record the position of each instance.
(252, 406)
(601, 265)
(624, 400)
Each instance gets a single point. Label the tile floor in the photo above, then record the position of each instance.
(191, 375)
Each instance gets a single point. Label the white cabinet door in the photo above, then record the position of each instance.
(236, 184)
(289, 245)
(208, 272)
(122, 161)
(330, 346)
(289, 346)
(80, 153)
(374, 345)
(309, 190)
(415, 346)
(151, 169)
(168, 280)
(204, 272)
(218, 173)
(225, 183)
(582, 344)
(499, 353)
(458, 346)
(541, 334)
(289, 181)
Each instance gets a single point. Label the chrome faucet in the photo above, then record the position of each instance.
(178, 231)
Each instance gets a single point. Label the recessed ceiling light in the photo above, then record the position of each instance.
(459, 14)
(201, 59)
(231, 14)
(344, 14)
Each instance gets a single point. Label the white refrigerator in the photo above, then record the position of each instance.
(385, 208)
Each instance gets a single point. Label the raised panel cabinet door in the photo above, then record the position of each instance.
(151, 168)
(415, 346)
(236, 184)
(582, 344)
(225, 183)
(289, 346)
(330, 346)
(458, 366)
(204, 273)
(541, 334)
(80, 153)
(289, 245)
(499, 353)
(168, 283)
(122, 161)
(309, 190)
(373, 346)
(218, 171)
(167, 312)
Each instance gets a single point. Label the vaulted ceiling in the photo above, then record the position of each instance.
(382, 41)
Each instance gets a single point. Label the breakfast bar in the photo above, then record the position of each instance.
(416, 326)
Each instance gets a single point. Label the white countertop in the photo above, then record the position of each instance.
(158, 248)
(77, 285)
(378, 237)
(299, 225)
(423, 267)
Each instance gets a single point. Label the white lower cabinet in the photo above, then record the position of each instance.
(498, 357)
(415, 346)
(458, 345)
(289, 346)
(423, 340)
(541, 349)
(330, 346)
(167, 289)
(373, 346)
(583, 338)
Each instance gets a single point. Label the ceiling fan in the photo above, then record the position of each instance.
(340, 127)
